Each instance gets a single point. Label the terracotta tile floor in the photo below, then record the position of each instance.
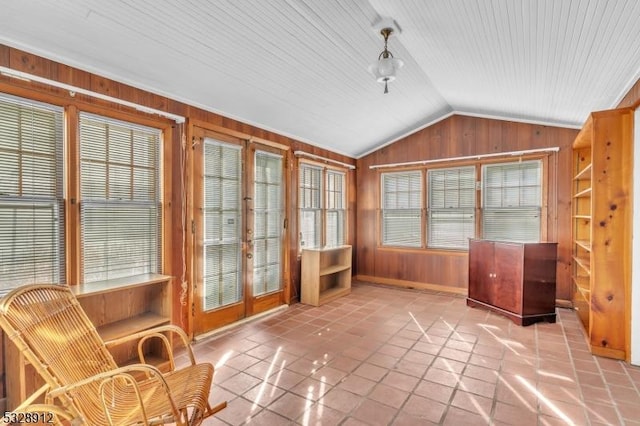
(386, 356)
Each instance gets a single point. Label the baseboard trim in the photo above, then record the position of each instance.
(563, 303)
(224, 329)
(412, 284)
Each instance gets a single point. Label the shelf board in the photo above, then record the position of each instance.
(333, 269)
(584, 174)
(582, 216)
(583, 263)
(582, 283)
(585, 244)
(583, 194)
(585, 293)
(118, 284)
(131, 325)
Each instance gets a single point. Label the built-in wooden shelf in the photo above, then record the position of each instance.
(583, 263)
(326, 274)
(602, 154)
(584, 174)
(585, 244)
(117, 308)
(584, 193)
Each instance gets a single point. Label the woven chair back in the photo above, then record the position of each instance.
(49, 326)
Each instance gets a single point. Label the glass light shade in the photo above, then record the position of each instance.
(385, 69)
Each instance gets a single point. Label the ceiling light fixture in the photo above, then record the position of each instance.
(384, 69)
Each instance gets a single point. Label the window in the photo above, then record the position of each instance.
(120, 209)
(322, 207)
(401, 208)
(335, 208)
(451, 213)
(512, 201)
(511, 205)
(310, 206)
(31, 193)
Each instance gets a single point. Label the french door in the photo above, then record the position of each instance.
(239, 207)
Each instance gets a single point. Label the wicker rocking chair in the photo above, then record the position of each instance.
(49, 327)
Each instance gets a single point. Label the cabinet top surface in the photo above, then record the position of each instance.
(325, 249)
(513, 242)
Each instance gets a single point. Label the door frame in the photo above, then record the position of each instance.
(197, 130)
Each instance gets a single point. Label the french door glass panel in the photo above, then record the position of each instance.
(268, 213)
(222, 225)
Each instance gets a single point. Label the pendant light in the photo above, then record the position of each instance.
(385, 68)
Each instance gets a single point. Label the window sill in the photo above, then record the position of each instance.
(117, 284)
(423, 250)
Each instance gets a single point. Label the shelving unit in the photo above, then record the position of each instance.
(601, 219)
(126, 306)
(116, 308)
(326, 274)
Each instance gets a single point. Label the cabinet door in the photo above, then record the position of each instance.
(481, 271)
(508, 276)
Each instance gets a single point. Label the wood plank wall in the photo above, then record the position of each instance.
(455, 136)
(35, 65)
(459, 136)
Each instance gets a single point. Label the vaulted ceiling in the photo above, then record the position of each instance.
(299, 67)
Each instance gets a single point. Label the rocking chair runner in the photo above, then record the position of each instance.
(49, 327)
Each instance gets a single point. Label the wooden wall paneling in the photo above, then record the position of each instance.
(458, 136)
(632, 98)
(72, 200)
(173, 226)
(562, 197)
(32, 64)
(5, 54)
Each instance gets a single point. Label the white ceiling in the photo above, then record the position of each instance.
(299, 67)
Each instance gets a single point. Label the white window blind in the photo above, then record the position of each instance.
(310, 202)
(222, 224)
(451, 212)
(31, 193)
(120, 198)
(335, 208)
(401, 208)
(512, 201)
(268, 211)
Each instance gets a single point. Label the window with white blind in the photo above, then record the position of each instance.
(512, 201)
(451, 210)
(322, 211)
(31, 193)
(120, 208)
(310, 202)
(401, 196)
(335, 208)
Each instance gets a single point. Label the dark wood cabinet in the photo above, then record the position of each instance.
(517, 280)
